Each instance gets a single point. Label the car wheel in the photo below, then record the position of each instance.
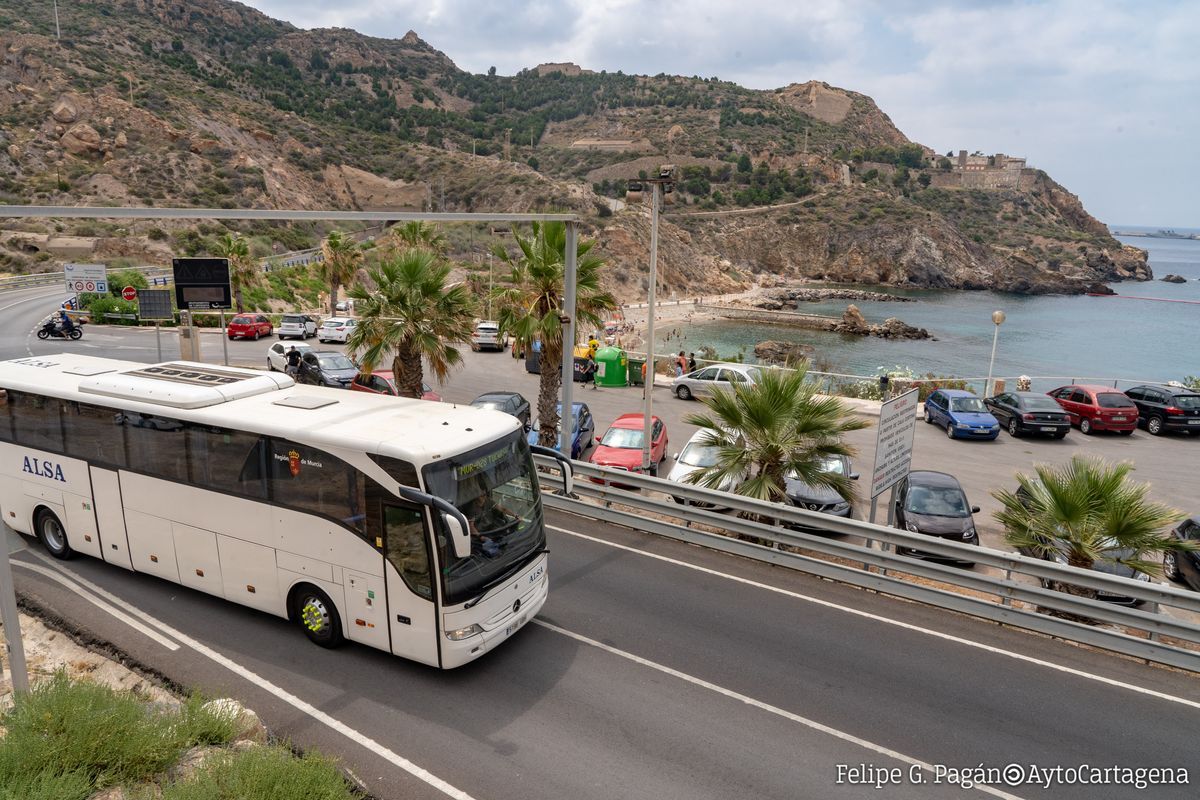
(317, 616)
(52, 534)
(1154, 426)
(949, 431)
(270, 366)
(1085, 426)
(928, 417)
(683, 393)
(1170, 566)
(257, 335)
(1013, 428)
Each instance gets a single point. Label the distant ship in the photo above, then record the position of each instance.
(1169, 234)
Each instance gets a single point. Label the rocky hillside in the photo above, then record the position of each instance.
(210, 103)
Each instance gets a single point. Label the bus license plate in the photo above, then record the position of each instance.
(514, 626)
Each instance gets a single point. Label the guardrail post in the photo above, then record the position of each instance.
(1006, 598)
(1153, 608)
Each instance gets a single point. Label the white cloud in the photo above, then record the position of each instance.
(1100, 94)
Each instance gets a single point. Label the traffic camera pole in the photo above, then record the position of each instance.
(567, 418)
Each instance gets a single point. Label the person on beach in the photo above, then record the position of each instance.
(691, 365)
(680, 364)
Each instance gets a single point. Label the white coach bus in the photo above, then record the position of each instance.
(410, 526)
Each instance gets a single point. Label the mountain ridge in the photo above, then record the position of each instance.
(212, 103)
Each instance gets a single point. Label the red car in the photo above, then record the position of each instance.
(249, 326)
(1097, 408)
(384, 383)
(621, 445)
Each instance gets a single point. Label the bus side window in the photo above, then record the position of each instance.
(308, 479)
(6, 434)
(156, 445)
(95, 434)
(406, 547)
(37, 421)
(226, 460)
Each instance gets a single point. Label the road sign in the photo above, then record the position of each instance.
(129, 293)
(202, 283)
(155, 304)
(894, 442)
(86, 278)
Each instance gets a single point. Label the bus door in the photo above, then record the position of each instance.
(412, 614)
(110, 517)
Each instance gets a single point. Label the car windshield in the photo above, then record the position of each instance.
(332, 323)
(1113, 400)
(1188, 401)
(1041, 403)
(241, 321)
(623, 437)
(967, 404)
(937, 501)
(335, 361)
(293, 320)
(699, 455)
(496, 489)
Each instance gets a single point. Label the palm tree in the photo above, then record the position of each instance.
(410, 315)
(423, 235)
(243, 270)
(529, 308)
(1084, 513)
(774, 428)
(341, 255)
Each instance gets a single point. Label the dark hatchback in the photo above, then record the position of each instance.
(327, 368)
(934, 503)
(508, 402)
(1029, 413)
(1184, 565)
(1162, 409)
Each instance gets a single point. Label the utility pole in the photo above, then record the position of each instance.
(129, 78)
(57, 29)
(442, 204)
(472, 147)
(566, 426)
(806, 140)
(507, 143)
(491, 285)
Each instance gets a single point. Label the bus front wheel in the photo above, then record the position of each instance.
(317, 616)
(52, 534)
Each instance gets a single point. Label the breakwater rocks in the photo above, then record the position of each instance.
(1174, 278)
(785, 299)
(891, 328)
(787, 354)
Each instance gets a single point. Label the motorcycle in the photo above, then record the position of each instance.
(53, 328)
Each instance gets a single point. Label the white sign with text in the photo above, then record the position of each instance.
(894, 442)
(86, 278)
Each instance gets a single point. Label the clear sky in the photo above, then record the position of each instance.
(1103, 95)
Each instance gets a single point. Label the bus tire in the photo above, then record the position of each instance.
(52, 534)
(316, 615)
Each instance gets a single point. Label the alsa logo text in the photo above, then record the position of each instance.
(43, 469)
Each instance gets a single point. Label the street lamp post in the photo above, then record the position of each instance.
(998, 319)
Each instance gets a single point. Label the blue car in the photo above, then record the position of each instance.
(584, 434)
(962, 414)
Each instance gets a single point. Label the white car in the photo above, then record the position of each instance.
(336, 329)
(487, 337)
(277, 354)
(694, 457)
(296, 326)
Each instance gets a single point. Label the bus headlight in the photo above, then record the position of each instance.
(463, 633)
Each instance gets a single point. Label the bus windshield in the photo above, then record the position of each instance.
(495, 487)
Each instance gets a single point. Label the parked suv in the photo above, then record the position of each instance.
(1166, 408)
(297, 326)
(1097, 408)
(486, 336)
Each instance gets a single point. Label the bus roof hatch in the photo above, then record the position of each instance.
(184, 384)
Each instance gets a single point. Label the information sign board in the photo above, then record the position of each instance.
(86, 278)
(894, 442)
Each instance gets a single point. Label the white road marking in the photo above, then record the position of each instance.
(295, 702)
(889, 621)
(759, 704)
(117, 613)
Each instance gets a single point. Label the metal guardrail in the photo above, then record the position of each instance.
(59, 278)
(1016, 594)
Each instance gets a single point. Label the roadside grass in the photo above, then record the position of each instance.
(66, 739)
(262, 773)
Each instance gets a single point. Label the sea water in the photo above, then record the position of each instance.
(1051, 336)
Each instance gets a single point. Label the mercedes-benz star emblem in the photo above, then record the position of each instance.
(516, 606)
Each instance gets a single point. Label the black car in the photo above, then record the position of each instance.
(1029, 412)
(935, 504)
(822, 498)
(1184, 565)
(327, 368)
(1166, 408)
(508, 402)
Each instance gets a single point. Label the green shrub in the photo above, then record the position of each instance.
(65, 734)
(263, 773)
(126, 277)
(102, 304)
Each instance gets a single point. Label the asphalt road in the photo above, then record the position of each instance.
(662, 670)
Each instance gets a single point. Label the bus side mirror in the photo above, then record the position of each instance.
(460, 537)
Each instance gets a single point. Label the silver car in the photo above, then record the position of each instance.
(695, 456)
(297, 326)
(716, 376)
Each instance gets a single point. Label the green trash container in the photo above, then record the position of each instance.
(611, 367)
(635, 371)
